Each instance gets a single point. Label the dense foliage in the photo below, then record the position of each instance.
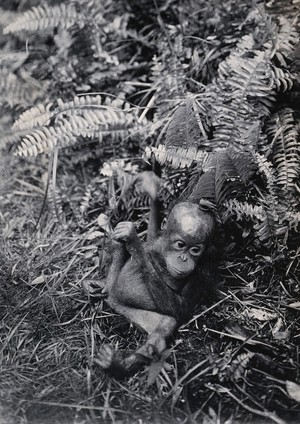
(92, 93)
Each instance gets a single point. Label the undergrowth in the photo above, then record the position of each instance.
(91, 94)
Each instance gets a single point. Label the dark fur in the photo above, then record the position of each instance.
(144, 290)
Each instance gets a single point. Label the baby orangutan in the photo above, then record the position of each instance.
(156, 285)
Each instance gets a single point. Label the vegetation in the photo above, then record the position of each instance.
(91, 94)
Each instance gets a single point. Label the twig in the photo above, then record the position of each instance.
(71, 405)
(242, 338)
(149, 105)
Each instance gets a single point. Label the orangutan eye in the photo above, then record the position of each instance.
(196, 250)
(179, 244)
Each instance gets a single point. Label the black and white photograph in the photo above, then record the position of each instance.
(149, 212)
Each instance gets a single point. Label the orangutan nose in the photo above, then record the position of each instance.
(183, 257)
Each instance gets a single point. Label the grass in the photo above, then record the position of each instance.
(230, 363)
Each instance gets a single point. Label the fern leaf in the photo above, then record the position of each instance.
(293, 219)
(225, 174)
(239, 365)
(177, 157)
(264, 230)
(232, 122)
(244, 163)
(43, 17)
(287, 38)
(251, 76)
(244, 90)
(13, 137)
(37, 142)
(54, 198)
(272, 229)
(286, 154)
(283, 80)
(185, 128)
(266, 169)
(82, 117)
(243, 210)
(7, 16)
(86, 198)
(227, 180)
(79, 101)
(36, 116)
(288, 9)
(283, 44)
(268, 227)
(16, 92)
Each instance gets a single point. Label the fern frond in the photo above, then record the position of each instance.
(244, 163)
(270, 221)
(289, 9)
(266, 169)
(16, 92)
(168, 74)
(44, 17)
(9, 137)
(286, 151)
(265, 222)
(293, 219)
(264, 229)
(79, 101)
(284, 41)
(243, 210)
(36, 116)
(250, 76)
(242, 93)
(288, 36)
(39, 141)
(239, 365)
(204, 187)
(55, 202)
(7, 16)
(229, 120)
(228, 182)
(177, 157)
(283, 80)
(186, 128)
(83, 116)
(86, 198)
(226, 174)
(246, 43)
(274, 227)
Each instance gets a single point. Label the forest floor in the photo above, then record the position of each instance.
(235, 362)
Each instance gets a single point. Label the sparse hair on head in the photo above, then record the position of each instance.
(203, 220)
